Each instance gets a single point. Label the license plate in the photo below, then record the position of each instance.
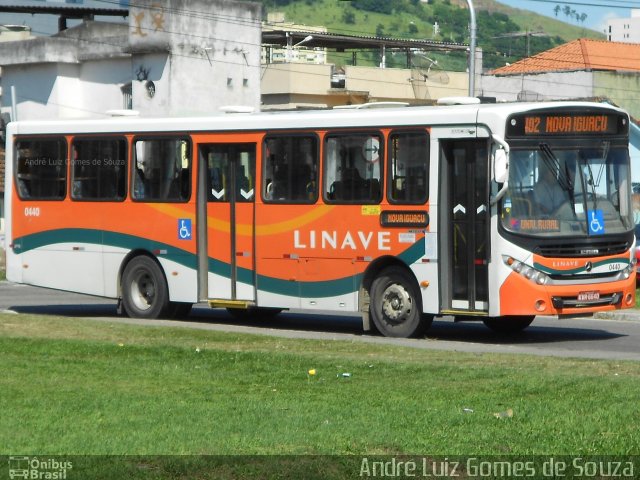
(588, 296)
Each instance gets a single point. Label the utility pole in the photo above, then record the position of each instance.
(472, 53)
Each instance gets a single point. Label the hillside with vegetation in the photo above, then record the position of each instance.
(505, 34)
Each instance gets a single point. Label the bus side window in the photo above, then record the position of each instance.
(409, 167)
(161, 170)
(41, 169)
(352, 168)
(291, 169)
(99, 169)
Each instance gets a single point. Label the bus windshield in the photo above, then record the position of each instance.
(564, 190)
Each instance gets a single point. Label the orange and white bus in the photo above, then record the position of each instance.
(492, 212)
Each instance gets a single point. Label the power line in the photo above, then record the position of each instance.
(305, 72)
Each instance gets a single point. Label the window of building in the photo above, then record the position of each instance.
(99, 169)
(161, 170)
(291, 169)
(352, 168)
(41, 169)
(409, 167)
(127, 97)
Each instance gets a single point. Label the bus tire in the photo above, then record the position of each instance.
(396, 305)
(509, 324)
(144, 289)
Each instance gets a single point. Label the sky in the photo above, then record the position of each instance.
(598, 11)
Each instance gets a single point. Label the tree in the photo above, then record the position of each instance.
(380, 6)
(567, 11)
(583, 17)
(349, 17)
(557, 9)
(380, 30)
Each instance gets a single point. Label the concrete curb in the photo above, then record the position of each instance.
(631, 315)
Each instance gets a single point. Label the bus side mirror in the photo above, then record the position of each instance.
(500, 165)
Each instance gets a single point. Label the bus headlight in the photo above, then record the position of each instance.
(525, 270)
(541, 278)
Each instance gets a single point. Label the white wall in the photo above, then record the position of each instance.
(156, 68)
(210, 50)
(625, 30)
(62, 90)
(547, 86)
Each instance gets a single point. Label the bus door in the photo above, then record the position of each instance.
(227, 190)
(464, 223)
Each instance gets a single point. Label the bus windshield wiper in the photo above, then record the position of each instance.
(553, 164)
(591, 183)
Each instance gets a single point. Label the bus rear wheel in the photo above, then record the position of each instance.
(510, 324)
(395, 304)
(144, 289)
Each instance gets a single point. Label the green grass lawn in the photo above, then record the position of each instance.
(77, 387)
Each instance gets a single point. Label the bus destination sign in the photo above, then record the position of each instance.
(565, 124)
(414, 218)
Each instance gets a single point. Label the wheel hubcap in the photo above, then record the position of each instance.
(143, 291)
(396, 303)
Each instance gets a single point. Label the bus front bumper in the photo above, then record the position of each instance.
(519, 296)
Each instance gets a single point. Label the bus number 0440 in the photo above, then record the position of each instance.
(32, 211)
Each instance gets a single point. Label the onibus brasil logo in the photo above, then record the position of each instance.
(38, 468)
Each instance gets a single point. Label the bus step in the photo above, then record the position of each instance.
(467, 313)
(224, 303)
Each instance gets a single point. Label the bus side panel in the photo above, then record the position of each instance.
(322, 251)
(73, 266)
(152, 229)
(54, 253)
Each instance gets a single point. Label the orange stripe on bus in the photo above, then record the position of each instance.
(246, 229)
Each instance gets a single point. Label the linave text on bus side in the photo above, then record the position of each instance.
(341, 241)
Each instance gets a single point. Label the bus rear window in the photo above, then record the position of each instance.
(41, 169)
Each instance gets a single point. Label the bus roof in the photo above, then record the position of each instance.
(292, 120)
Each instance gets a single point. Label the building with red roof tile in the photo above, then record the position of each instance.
(583, 68)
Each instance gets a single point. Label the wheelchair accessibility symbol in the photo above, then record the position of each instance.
(596, 222)
(184, 229)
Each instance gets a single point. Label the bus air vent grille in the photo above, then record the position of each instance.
(586, 250)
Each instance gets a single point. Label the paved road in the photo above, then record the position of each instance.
(614, 338)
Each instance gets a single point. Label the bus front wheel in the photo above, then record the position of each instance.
(395, 304)
(144, 289)
(509, 324)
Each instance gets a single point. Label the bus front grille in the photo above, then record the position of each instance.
(601, 249)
